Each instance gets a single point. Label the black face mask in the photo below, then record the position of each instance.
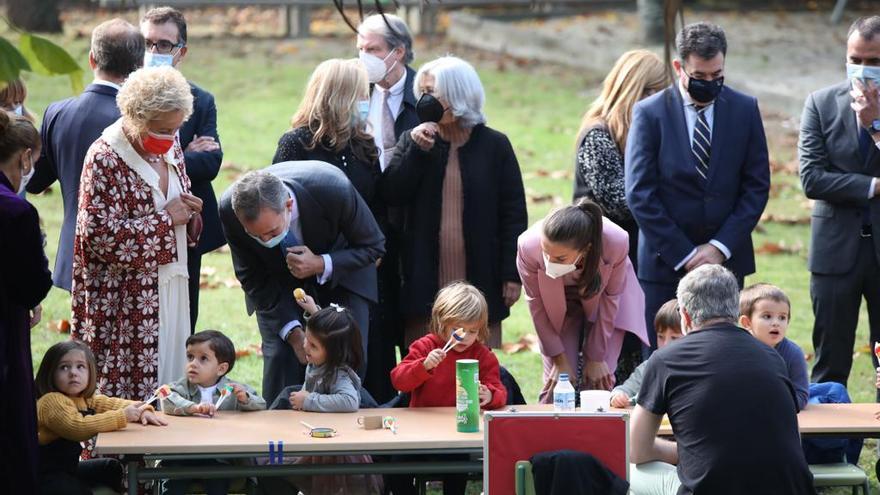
(429, 109)
(704, 91)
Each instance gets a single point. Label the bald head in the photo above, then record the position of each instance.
(117, 49)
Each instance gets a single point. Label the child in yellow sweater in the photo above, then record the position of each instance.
(69, 411)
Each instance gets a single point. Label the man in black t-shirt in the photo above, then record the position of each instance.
(729, 400)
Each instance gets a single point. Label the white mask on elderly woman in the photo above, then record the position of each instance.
(556, 270)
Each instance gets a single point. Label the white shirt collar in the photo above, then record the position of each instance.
(103, 82)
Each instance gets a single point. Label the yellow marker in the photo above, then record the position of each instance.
(299, 294)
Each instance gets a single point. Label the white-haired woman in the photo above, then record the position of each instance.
(461, 187)
(136, 217)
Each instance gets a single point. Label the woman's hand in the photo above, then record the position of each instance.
(151, 418)
(132, 413)
(560, 365)
(510, 291)
(194, 202)
(423, 134)
(598, 376)
(180, 212)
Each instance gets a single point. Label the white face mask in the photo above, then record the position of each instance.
(26, 178)
(556, 270)
(158, 59)
(376, 70)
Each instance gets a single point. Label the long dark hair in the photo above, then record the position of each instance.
(335, 328)
(579, 227)
(45, 380)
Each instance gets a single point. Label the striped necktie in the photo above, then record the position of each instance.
(701, 144)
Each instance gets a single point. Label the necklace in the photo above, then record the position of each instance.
(154, 159)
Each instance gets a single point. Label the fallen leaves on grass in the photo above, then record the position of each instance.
(536, 198)
(208, 279)
(252, 349)
(787, 168)
(780, 247)
(553, 174)
(62, 326)
(785, 219)
(527, 342)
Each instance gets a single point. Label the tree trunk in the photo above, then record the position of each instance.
(651, 21)
(35, 15)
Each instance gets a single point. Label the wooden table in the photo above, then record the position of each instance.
(421, 431)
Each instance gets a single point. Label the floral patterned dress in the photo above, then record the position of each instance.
(129, 294)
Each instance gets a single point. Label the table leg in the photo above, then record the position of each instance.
(132, 477)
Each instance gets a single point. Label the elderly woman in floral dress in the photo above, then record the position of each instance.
(136, 217)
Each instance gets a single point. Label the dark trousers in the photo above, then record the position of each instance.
(89, 475)
(656, 294)
(386, 332)
(216, 486)
(836, 302)
(453, 484)
(194, 267)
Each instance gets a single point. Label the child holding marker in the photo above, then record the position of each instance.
(667, 324)
(204, 390)
(70, 411)
(333, 351)
(428, 371)
(210, 356)
(765, 310)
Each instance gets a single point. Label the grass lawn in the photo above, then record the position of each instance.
(257, 85)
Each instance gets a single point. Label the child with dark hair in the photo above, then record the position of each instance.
(69, 411)
(210, 356)
(667, 324)
(333, 351)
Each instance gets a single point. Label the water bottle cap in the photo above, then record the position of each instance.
(563, 377)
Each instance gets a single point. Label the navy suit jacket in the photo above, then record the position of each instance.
(69, 127)
(202, 166)
(675, 208)
(334, 219)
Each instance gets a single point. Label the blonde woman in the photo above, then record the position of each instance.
(136, 216)
(602, 136)
(330, 125)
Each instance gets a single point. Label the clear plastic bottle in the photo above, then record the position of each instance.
(563, 394)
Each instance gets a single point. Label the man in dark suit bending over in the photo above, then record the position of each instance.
(164, 29)
(299, 224)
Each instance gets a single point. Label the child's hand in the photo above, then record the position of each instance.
(485, 395)
(434, 359)
(620, 400)
(307, 303)
(149, 417)
(240, 393)
(133, 412)
(297, 399)
(206, 409)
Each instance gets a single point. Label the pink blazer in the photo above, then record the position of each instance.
(618, 307)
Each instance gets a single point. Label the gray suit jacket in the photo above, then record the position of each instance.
(834, 174)
(334, 220)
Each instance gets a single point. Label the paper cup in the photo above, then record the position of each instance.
(595, 400)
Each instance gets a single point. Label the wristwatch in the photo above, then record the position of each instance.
(874, 128)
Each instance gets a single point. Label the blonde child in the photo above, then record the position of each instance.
(667, 324)
(428, 373)
(69, 411)
(765, 311)
(210, 356)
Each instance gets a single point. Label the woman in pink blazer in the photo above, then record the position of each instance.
(581, 287)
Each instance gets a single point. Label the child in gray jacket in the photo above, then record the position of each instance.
(667, 324)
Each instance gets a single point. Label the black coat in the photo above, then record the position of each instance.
(494, 216)
(203, 166)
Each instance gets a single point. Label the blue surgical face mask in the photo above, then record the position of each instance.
(864, 73)
(275, 241)
(19, 110)
(363, 109)
(158, 59)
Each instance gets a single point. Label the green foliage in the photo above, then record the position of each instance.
(48, 59)
(11, 62)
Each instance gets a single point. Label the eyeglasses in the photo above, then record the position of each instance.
(163, 46)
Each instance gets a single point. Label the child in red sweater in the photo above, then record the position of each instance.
(428, 373)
